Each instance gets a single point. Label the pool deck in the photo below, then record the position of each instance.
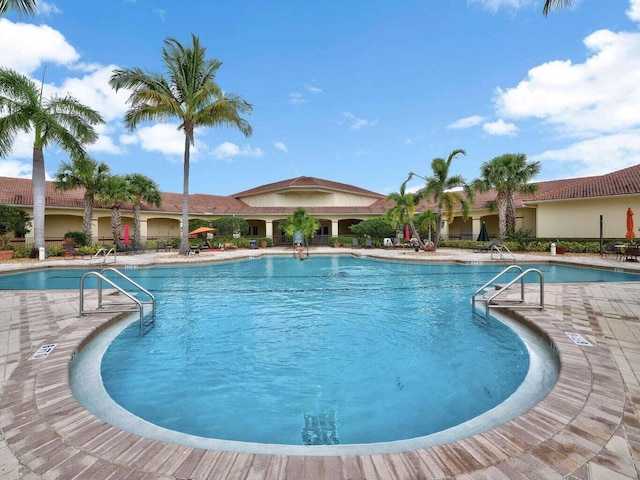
(587, 428)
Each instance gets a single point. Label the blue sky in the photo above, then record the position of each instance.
(354, 92)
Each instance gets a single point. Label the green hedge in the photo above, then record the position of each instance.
(538, 245)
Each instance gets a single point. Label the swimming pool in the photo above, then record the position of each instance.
(333, 350)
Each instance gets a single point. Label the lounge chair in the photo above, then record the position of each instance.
(71, 252)
(354, 242)
(368, 243)
(486, 248)
(122, 248)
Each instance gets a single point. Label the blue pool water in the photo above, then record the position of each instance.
(324, 351)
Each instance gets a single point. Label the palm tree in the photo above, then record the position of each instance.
(403, 211)
(189, 93)
(447, 192)
(21, 6)
(56, 120)
(83, 173)
(427, 220)
(142, 189)
(115, 192)
(549, 4)
(302, 222)
(507, 174)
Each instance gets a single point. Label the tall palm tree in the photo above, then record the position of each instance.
(549, 4)
(56, 120)
(447, 192)
(507, 174)
(189, 93)
(83, 173)
(427, 220)
(115, 191)
(142, 189)
(405, 208)
(23, 7)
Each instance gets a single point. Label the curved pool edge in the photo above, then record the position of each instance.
(87, 387)
(580, 414)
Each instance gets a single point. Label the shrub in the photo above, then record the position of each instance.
(78, 238)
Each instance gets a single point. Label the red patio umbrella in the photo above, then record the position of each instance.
(126, 238)
(630, 233)
(407, 236)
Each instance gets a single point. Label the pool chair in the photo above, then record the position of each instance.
(122, 248)
(368, 243)
(71, 252)
(486, 248)
(610, 248)
(354, 242)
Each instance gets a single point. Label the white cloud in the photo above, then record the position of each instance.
(312, 89)
(500, 128)
(599, 155)
(466, 122)
(38, 44)
(600, 95)
(47, 9)
(281, 146)
(228, 150)
(160, 13)
(495, 5)
(355, 122)
(161, 137)
(296, 98)
(15, 168)
(634, 10)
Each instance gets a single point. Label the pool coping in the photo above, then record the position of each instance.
(53, 436)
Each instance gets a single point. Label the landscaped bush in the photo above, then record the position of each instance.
(538, 245)
(78, 238)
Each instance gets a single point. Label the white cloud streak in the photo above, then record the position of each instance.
(466, 122)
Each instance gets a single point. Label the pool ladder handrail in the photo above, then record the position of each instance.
(120, 307)
(499, 250)
(102, 255)
(488, 299)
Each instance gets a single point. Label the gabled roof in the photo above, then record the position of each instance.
(305, 183)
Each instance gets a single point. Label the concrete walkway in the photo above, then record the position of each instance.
(588, 427)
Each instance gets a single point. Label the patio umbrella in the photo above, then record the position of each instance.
(406, 233)
(630, 233)
(484, 233)
(201, 230)
(126, 240)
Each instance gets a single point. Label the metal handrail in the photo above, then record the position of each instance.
(490, 282)
(102, 254)
(499, 249)
(520, 277)
(102, 278)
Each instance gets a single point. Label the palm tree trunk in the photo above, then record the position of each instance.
(438, 228)
(511, 215)
(88, 218)
(184, 238)
(502, 215)
(414, 232)
(38, 192)
(137, 240)
(116, 223)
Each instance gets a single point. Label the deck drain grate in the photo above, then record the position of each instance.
(44, 351)
(578, 339)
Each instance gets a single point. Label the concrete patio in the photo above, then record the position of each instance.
(588, 427)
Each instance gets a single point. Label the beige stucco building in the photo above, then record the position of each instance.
(569, 208)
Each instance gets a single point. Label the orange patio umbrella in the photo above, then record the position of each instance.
(630, 233)
(201, 230)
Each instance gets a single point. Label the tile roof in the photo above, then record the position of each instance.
(17, 191)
